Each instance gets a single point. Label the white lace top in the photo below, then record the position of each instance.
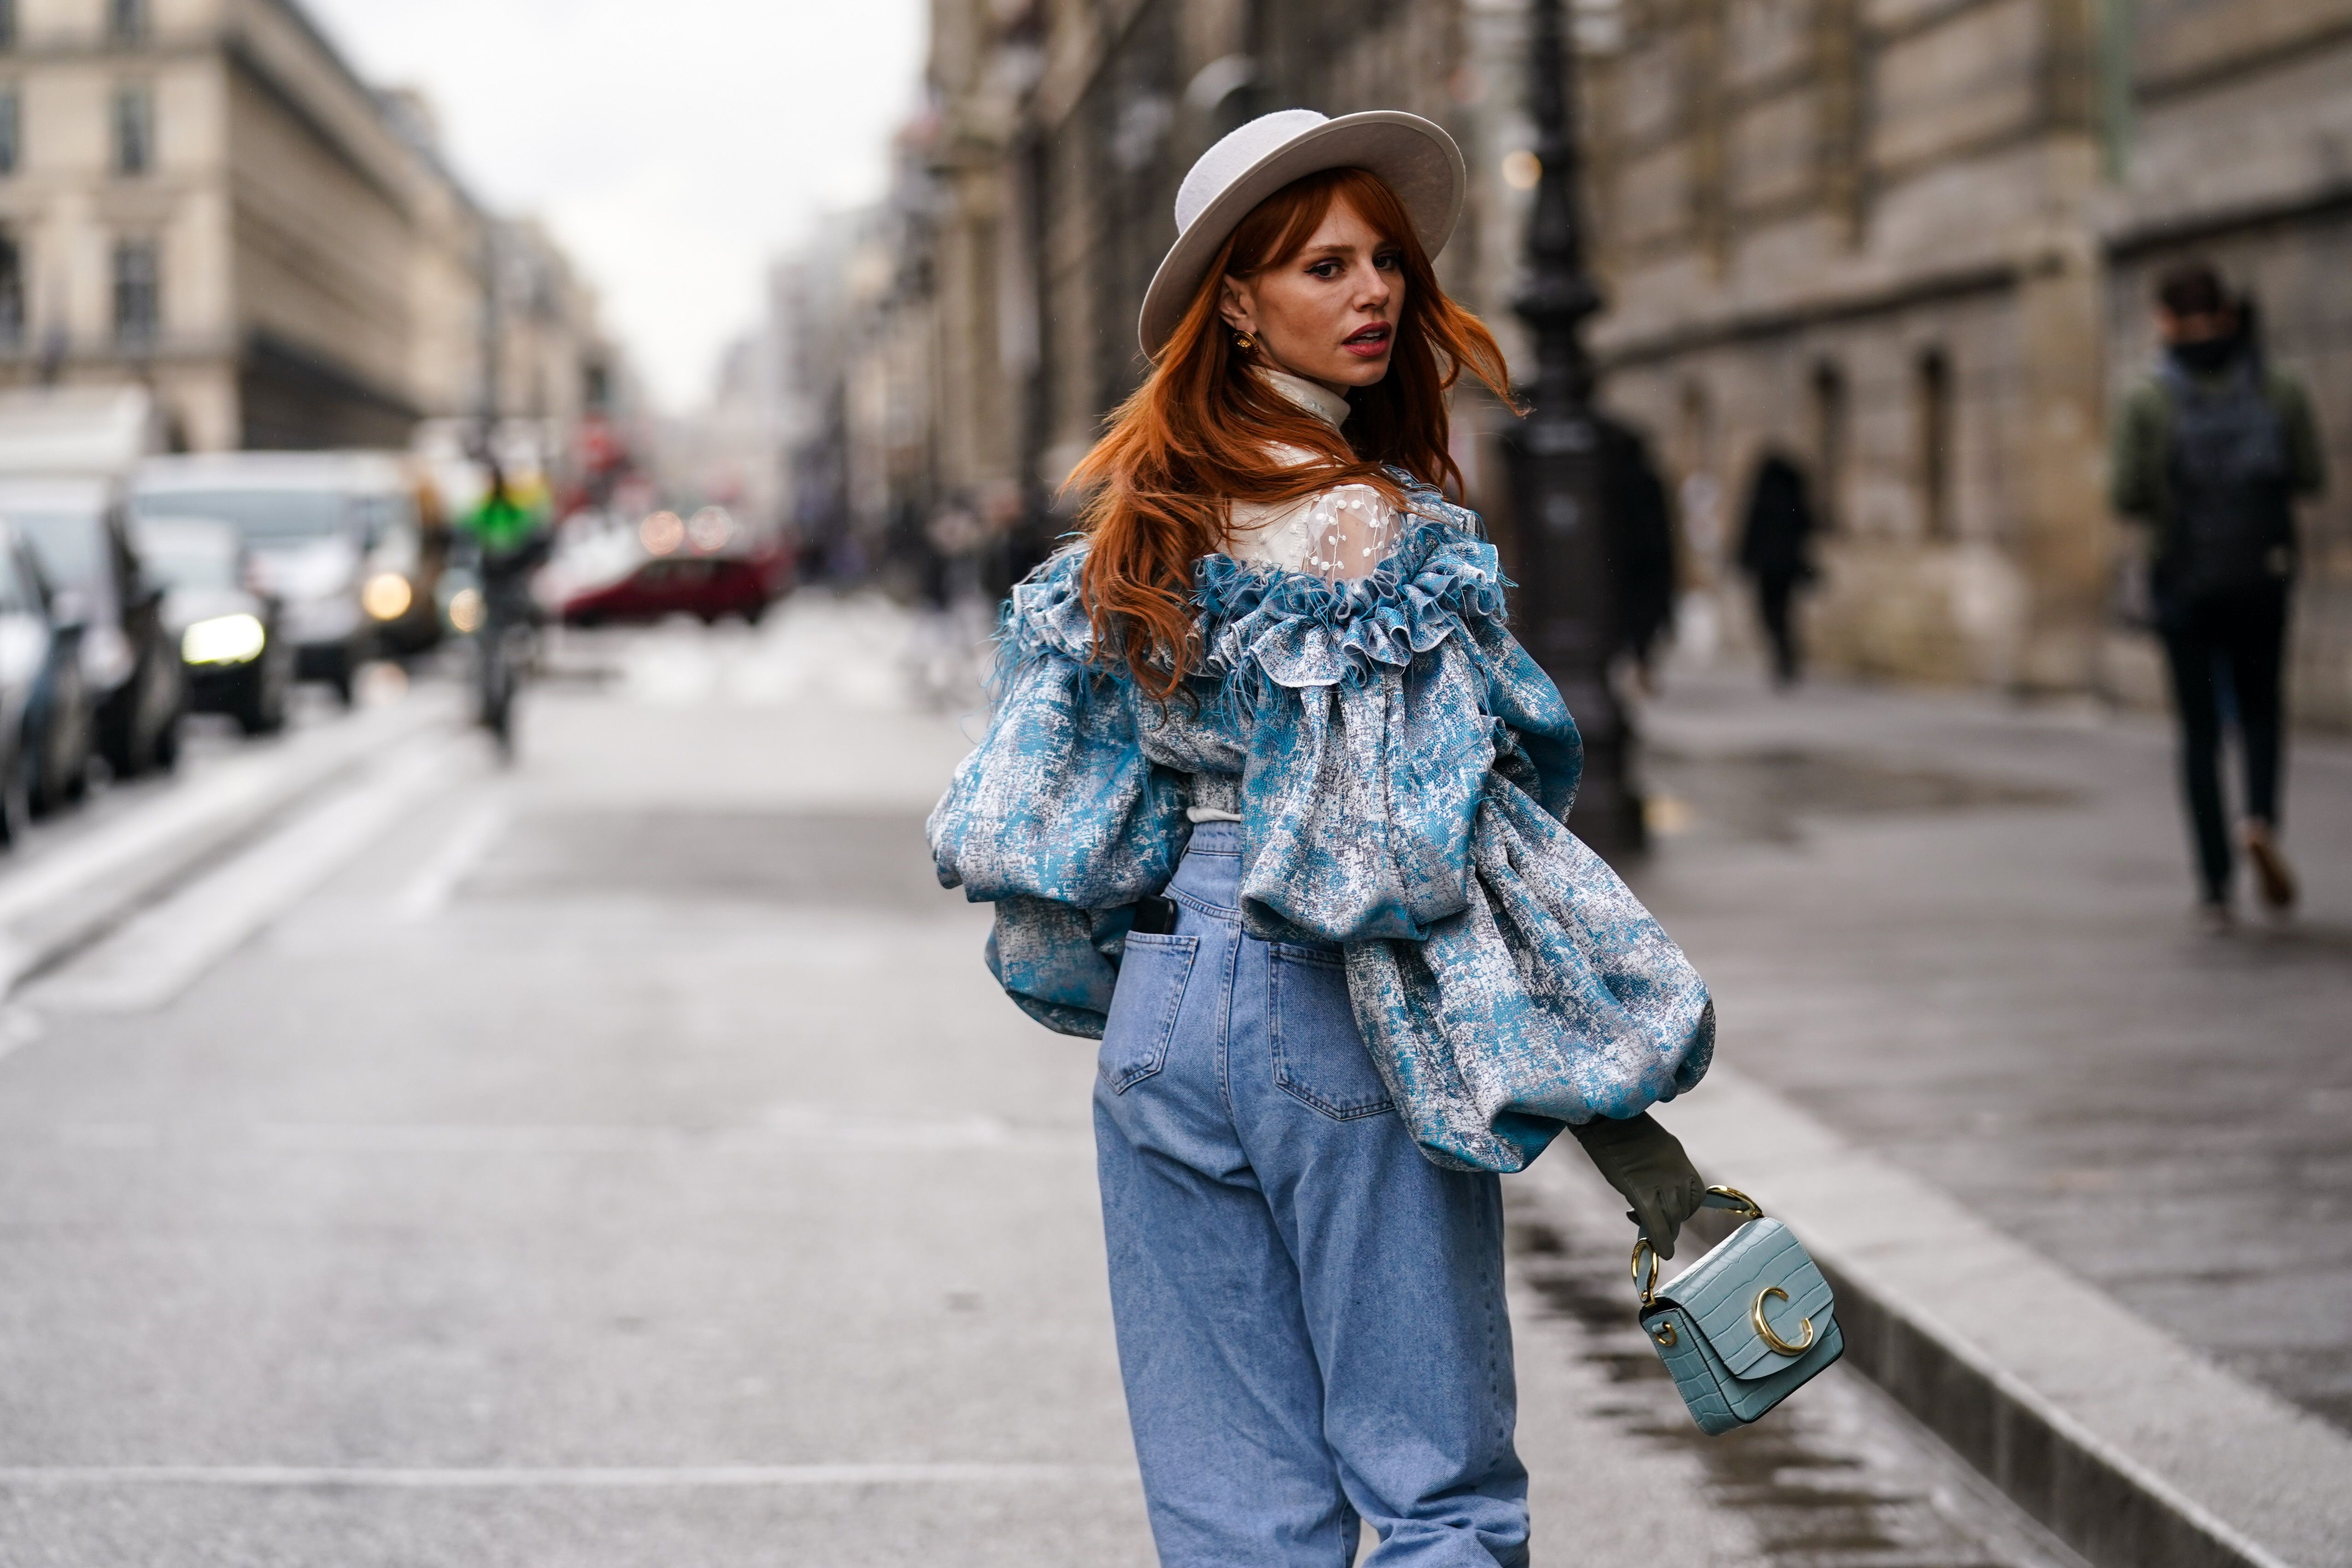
(1337, 534)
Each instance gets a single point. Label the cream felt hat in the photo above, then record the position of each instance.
(1415, 156)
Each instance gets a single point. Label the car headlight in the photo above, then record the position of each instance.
(224, 639)
(387, 596)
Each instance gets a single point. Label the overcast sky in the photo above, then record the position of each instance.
(672, 147)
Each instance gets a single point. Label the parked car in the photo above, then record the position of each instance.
(235, 659)
(78, 531)
(775, 555)
(706, 587)
(45, 737)
(66, 458)
(706, 567)
(340, 538)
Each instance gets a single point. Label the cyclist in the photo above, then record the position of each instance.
(509, 541)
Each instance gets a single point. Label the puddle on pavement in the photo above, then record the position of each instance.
(1817, 1483)
(1765, 796)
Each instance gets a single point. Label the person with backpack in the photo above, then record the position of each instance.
(2211, 453)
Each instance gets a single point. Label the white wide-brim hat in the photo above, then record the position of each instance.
(1414, 156)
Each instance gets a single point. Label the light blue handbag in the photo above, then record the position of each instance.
(1744, 1327)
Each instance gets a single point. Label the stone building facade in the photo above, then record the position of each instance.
(1908, 241)
(1911, 242)
(202, 196)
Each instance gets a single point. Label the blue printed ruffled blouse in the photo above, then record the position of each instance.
(1401, 769)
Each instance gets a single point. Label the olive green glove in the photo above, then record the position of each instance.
(1646, 1162)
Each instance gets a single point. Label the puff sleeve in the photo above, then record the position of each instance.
(1057, 817)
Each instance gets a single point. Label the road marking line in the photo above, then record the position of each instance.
(153, 842)
(436, 880)
(161, 952)
(138, 833)
(576, 1478)
(780, 1128)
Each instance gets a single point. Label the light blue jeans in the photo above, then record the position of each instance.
(1311, 1323)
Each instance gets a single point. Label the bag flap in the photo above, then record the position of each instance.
(1719, 1294)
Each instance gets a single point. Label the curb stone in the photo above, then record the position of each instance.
(2126, 1444)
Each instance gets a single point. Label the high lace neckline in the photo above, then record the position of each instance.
(1338, 534)
(1312, 396)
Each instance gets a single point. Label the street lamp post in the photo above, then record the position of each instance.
(1556, 452)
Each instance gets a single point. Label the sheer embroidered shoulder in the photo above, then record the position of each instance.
(1339, 535)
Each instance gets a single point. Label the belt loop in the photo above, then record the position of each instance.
(1215, 838)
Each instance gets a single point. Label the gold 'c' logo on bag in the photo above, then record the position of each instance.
(1764, 1326)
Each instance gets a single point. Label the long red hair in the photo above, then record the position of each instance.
(1198, 434)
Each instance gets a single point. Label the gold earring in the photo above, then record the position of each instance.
(1244, 342)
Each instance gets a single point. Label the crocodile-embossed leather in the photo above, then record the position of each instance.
(1719, 1293)
(1728, 1375)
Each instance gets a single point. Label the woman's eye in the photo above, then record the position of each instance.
(1325, 270)
(1388, 260)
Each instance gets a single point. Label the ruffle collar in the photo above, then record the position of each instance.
(1260, 623)
(1263, 622)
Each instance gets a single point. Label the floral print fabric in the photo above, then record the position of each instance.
(1404, 770)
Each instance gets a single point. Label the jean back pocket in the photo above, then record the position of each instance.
(1151, 978)
(1319, 1057)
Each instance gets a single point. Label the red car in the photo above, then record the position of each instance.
(706, 586)
(707, 566)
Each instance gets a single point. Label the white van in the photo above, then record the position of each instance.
(337, 537)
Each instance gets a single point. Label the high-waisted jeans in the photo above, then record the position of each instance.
(1311, 1323)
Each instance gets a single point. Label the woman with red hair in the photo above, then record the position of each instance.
(1272, 805)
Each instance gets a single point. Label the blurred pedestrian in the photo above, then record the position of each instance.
(2211, 453)
(1641, 543)
(1267, 805)
(1776, 551)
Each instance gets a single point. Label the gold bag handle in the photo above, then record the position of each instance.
(1730, 1198)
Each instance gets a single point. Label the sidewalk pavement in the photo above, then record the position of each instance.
(1959, 935)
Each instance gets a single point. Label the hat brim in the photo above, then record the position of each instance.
(1413, 156)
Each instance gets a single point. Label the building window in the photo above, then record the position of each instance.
(10, 130)
(1934, 401)
(137, 302)
(12, 291)
(126, 20)
(134, 131)
(1830, 441)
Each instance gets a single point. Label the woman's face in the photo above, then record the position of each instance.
(1329, 313)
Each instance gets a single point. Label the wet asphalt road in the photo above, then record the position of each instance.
(628, 1160)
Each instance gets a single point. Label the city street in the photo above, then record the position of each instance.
(496, 577)
(627, 1160)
